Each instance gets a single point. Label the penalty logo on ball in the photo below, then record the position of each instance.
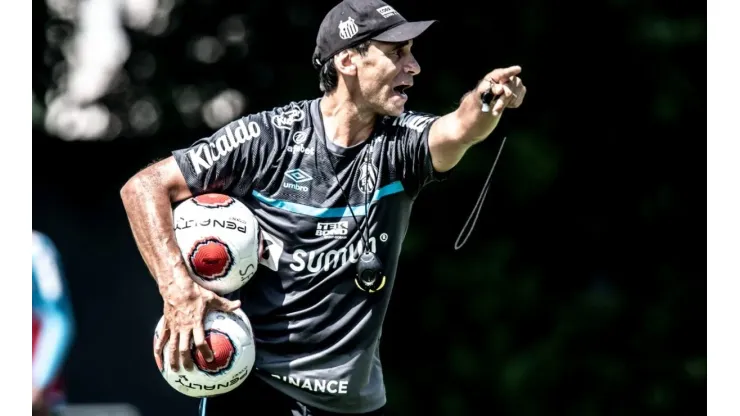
(213, 200)
(211, 258)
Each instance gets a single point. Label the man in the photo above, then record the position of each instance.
(53, 325)
(332, 181)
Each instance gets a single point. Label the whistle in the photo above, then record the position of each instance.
(486, 99)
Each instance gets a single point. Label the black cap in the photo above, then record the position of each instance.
(352, 22)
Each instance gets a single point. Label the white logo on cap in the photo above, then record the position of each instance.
(387, 11)
(348, 28)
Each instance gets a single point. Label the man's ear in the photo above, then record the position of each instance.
(344, 64)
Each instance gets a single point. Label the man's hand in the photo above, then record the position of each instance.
(185, 305)
(454, 133)
(506, 85)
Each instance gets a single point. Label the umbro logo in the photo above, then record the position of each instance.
(298, 176)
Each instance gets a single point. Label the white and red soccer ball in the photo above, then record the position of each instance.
(230, 337)
(219, 240)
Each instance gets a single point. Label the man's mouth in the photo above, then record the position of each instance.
(401, 90)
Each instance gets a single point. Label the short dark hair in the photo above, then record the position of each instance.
(328, 77)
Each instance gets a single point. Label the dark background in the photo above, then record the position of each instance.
(582, 290)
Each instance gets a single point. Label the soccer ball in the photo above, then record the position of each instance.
(219, 240)
(230, 337)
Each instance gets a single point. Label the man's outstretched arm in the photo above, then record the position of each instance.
(454, 133)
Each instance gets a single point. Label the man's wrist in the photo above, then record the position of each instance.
(476, 124)
(174, 281)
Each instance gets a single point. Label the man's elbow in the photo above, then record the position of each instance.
(131, 188)
(140, 183)
(446, 161)
(161, 180)
(448, 143)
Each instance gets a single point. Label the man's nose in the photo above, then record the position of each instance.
(412, 66)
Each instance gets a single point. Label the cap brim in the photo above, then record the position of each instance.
(404, 32)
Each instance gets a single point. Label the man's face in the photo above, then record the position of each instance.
(384, 73)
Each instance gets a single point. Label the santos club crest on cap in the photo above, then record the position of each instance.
(213, 200)
(348, 28)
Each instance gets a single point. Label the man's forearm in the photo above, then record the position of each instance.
(149, 211)
(453, 134)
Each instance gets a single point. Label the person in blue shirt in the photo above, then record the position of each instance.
(53, 325)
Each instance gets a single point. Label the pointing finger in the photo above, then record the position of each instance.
(504, 75)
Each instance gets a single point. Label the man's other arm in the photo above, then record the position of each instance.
(148, 197)
(229, 159)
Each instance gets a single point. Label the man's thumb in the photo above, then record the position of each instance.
(227, 305)
(233, 305)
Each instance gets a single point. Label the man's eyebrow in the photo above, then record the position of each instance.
(394, 46)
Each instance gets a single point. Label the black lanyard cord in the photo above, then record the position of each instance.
(479, 204)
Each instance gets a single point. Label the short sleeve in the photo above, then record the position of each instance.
(410, 132)
(230, 159)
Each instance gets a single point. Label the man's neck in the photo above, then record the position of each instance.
(345, 123)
